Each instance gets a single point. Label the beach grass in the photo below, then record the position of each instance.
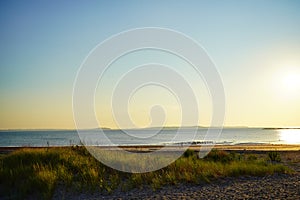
(35, 173)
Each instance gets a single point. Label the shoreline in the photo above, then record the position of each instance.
(150, 148)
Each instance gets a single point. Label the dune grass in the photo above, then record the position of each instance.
(35, 173)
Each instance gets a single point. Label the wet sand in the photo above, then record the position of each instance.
(259, 147)
(238, 147)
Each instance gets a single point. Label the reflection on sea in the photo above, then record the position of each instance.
(289, 136)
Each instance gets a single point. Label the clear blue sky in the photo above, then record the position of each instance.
(252, 43)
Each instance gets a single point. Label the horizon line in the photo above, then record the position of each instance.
(142, 128)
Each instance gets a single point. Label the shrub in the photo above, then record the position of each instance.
(251, 157)
(189, 153)
(274, 156)
(221, 156)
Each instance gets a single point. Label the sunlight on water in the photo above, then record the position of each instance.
(290, 136)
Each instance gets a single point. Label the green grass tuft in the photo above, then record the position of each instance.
(274, 156)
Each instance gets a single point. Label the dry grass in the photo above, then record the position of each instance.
(35, 173)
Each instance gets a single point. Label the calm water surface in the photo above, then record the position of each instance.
(144, 136)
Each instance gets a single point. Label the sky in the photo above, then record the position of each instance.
(254, 44)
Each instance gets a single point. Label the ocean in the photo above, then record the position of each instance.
(153, 136)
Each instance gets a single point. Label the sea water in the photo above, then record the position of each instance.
(153, 136)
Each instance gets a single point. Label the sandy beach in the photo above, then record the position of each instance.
(238, 147)
(259, 147)
(269, 187)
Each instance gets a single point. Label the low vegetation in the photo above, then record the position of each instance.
(35, 173)
(274, 156)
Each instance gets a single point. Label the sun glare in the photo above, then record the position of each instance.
(291, 80)
(290, 136)
(286, 82)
